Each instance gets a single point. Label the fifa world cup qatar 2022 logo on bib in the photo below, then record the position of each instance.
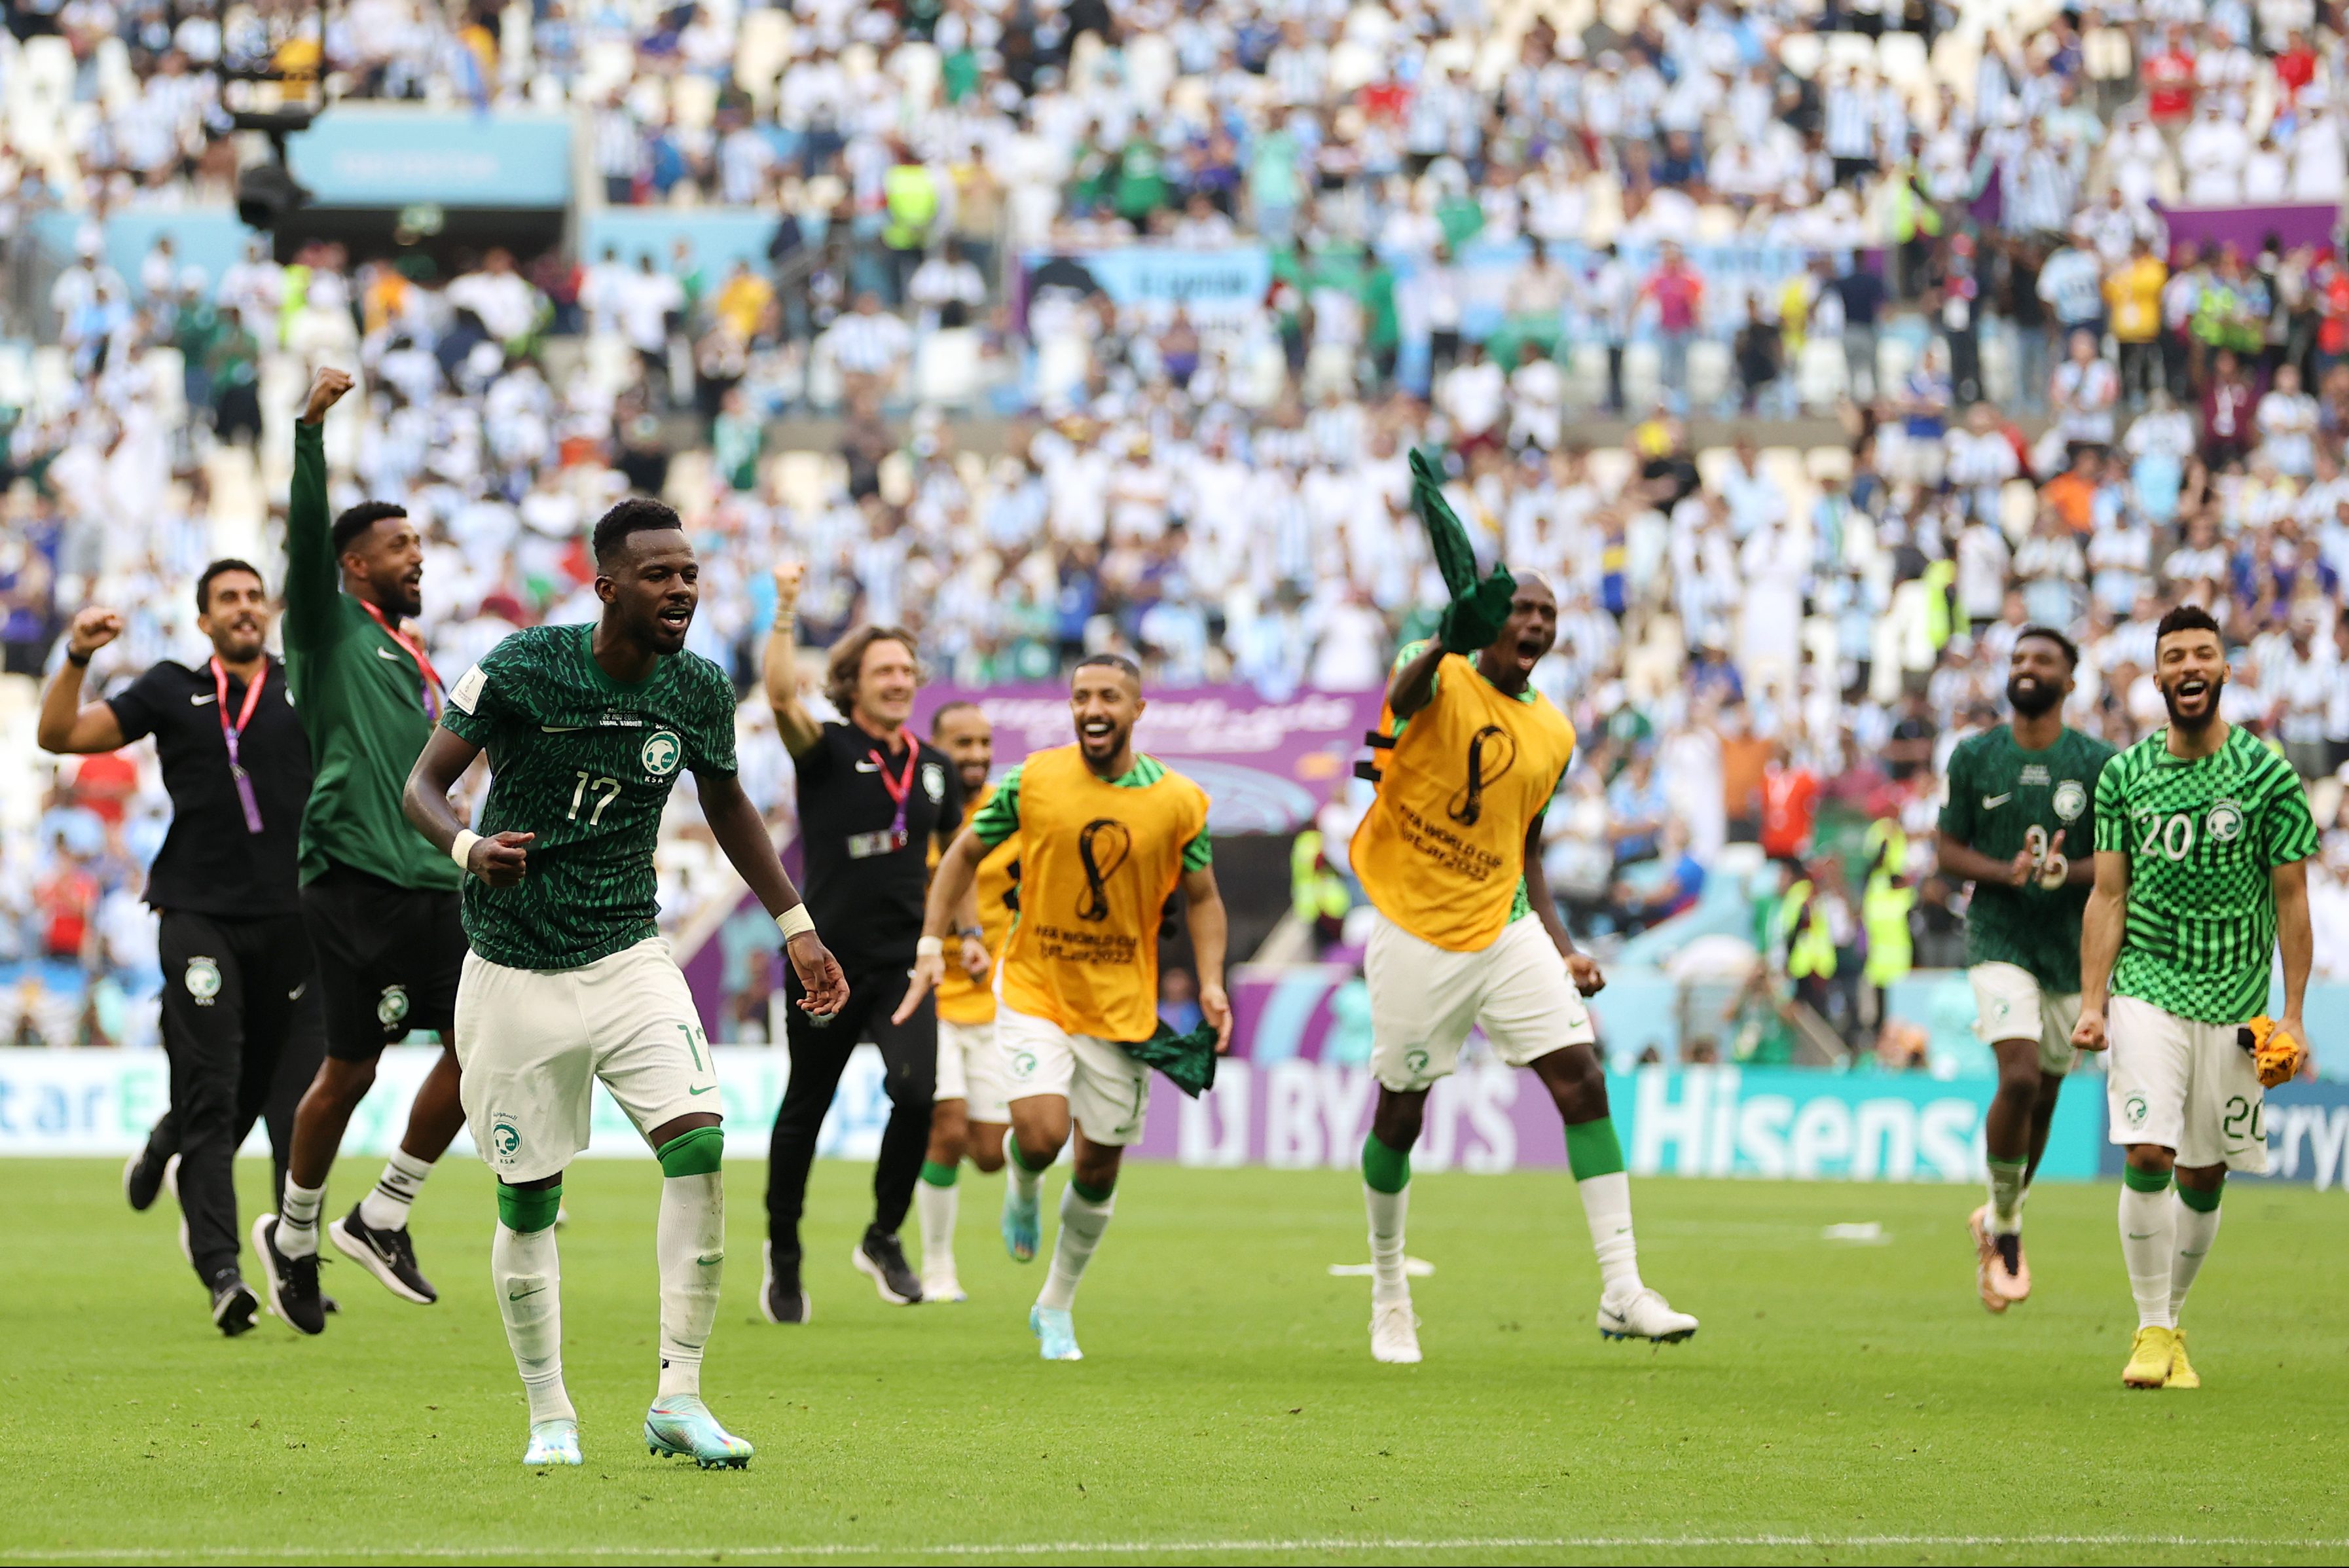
(1492, 753)
(1102, 847)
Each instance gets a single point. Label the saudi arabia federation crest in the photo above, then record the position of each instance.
(661, 753)
(391, 1006)
(2070, 800)
(2224, 823)
(203, 978)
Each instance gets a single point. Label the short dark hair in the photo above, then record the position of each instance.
(938, 719)
(1109, 661)
(361, 518)
(222, 568)
(2185, 617)
(635, 514)
(846, 662)
(2071, 649)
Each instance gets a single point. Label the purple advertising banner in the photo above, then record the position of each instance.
(2248, 228)
(1269, 767)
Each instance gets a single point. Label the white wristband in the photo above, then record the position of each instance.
(795, 922)
(929, 946)
(462, 851)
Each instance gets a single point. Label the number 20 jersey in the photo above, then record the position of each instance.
(585, 762)
(1441, 852)
(2201, 839)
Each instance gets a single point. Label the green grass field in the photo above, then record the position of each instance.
(1843, 1403)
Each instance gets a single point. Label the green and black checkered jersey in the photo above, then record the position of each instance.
(2201, 839)
(2003, 800)
(585, 762)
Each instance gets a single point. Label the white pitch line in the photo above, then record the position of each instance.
(1152, 1548)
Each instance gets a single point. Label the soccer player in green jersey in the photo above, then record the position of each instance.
(569, 983)
(2203, 836)
(2017, 794)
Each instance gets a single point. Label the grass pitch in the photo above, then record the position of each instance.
(1844, 1402)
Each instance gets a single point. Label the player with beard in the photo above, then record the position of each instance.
(2018, 793)
(569, 984)
(240, 1014)
(1106, 835)
(970, 1114)
(2203, 836)
(381, 905)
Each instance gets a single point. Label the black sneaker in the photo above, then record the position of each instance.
(235, 1305)
(780, 1300)
(293, 1282)
(880, 1259)
(144, 1175)
(388, 1255)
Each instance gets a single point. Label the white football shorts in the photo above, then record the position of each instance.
(2011, 1004)
(2185, 1086)
(1425, 999)
(971, 1069)
(530, 1044)
(1107, 1090)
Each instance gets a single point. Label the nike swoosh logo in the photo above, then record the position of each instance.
(295, 994)
(386, 653)
(207, 697)
(559, 729)
(712, 1087)
(2135, 1236)
(517, 1295)
(1992, 801)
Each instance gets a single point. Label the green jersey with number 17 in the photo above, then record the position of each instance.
(586, 762)
(2202, 838)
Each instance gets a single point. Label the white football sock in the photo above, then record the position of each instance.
(1606, 1204)
(2195, 1230)
(1082, 1224)
(1389, 1284)
(386, 1206)
(298, 1220)
(2149, 1237)
(1024, 1181)
(934, 1207)
(692, 1246)
(528, 1279)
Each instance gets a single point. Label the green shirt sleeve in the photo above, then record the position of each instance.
(1199, 854)
(1957, 809)
(713, 741)
(2291, 828)
(312, 619)
(2112, 811)
(474, 704)
(999, 818)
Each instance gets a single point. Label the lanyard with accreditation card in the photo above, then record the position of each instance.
(430, 677)
(863, 845)
(230, 733)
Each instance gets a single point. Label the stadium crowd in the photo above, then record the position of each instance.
(1484, 228)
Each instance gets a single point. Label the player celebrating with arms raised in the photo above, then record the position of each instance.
(1106, 834)
(2202, 841)
(569, 983)
(1468, 933)
(2017, 794)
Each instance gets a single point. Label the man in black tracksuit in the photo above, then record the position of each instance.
(242, 1023)
(873, 799)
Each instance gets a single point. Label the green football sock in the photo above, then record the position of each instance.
(2137, 1181)
(1384, 1169)
(2201, 1200)
(1089, 1193)
(938, 1175)
(1593, 1150)
(523, 1210)
(695, 1153)
(2006, 1193)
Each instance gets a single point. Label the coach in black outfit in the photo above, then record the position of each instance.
(873, 799)
(241, 1020)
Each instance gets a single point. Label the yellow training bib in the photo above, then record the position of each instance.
(961, 999)
(1442, 850)
(1097, 862)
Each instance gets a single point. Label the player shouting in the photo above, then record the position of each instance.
(2018, 793)
(568, 983)
(2203, 839)
(970, 1115)
(1106, 834)
(1466, 933)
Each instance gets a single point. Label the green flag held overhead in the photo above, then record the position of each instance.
(1479, 606)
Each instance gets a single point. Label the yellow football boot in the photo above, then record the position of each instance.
(2181, 1371)
(2150, 1355)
